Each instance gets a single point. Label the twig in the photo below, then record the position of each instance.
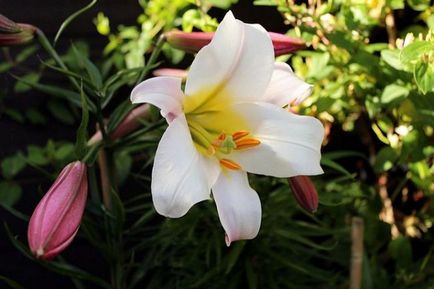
(391, 28)
(105, 178)
(357, 228)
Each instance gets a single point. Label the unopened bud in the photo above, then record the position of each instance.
(57, 217)
(130, 123)
(193, 41)
(12, 33)
(174, 72)
(304, 192)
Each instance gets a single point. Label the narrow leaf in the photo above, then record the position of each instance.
(71, 18)
(81, 142)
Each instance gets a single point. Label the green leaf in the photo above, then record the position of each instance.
(12, 165)
(419, 5)
(396, 4)
(25, 82)
(394, 93)
(123, 163)
(391, 57)
(10, 193)
(400, 250)
(15, 115)
(337, 167)
(61, 112)
(119, 114)
(234, 255)
(252, 277)
(415, 50)
(64, 151)
(118, 211)
(91, 69)
(36, 155)
(81, 142)
(55, 266)
(222, 4)
(72, 17)
(25, 53)
(11, 283)
(424, 76)
(35, 116)
(55, 91)
(385, 159)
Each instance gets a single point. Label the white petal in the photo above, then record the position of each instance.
(285, 87)
(238, 206)
(290, 144)
(181, 176)
(163, 92)
(238, 61)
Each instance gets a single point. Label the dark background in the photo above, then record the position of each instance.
(48, 15)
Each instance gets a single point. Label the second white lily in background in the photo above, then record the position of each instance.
(229, 121)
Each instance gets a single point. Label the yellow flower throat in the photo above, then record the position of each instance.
(216, 128)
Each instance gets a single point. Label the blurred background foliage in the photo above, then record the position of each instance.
(371, 64)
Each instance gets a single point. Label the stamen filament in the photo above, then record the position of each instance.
(199, 135)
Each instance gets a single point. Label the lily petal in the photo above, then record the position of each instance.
(163, 92)
(181, 176)
(238, 206)
(285, 87)
(238, 61)
(290, 143)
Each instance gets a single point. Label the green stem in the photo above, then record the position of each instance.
(152, 58)
(52, 52)
(100, 120)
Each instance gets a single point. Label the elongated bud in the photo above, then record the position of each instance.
(193, 41)
(57, 217)
(175, 72)
(130, 123)
(12, 33)
(304, 192)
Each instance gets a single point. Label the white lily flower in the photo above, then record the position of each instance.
(229, 121)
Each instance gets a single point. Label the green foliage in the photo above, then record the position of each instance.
(372, 89)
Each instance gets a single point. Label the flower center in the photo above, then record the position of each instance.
(216, 128)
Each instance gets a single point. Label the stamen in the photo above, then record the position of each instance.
(239, 134)
(218, 142)
(247, 143)
(211, 150)
(199, 135)
(230, 164)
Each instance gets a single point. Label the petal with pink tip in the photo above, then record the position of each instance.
(164, 92)
(238, 206)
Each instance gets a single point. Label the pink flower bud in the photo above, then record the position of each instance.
(130, 123)
(175, 72)
(193, 41)
(57, 217)
(304, 192)
(12, 33)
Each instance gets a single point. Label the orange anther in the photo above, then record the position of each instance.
(230, 164)
(247, 143)
(239, 134)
